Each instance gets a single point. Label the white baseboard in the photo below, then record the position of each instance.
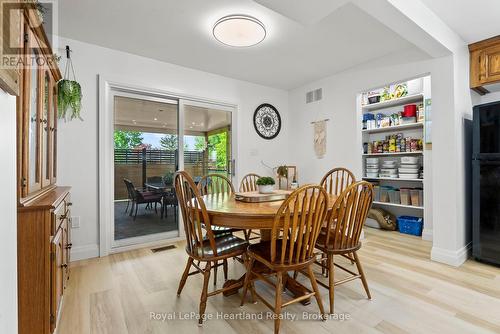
(452, 258)
(427, 234)
(84, 252)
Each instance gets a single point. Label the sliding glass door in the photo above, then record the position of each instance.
(146, 151)
(152, 137)
(207, 139)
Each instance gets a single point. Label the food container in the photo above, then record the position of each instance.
(406, 170)
(415, 197)
(372, 160)
(408, 176)
(374, 99)
(410, 110)
(409, 160)
(408, 120)
(376, 193)
(405, 196)
(384, 195)
(394, 196)
(371, 175)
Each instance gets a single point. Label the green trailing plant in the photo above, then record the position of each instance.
(265, 181)
(69, 98)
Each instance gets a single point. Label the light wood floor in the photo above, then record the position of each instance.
(410, 293)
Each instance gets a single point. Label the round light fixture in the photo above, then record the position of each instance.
(239, 30)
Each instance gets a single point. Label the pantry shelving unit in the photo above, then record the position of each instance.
(414, 130)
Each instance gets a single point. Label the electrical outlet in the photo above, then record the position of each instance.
(75, 222)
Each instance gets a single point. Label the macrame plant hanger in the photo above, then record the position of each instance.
(69, 63)
(70, 92)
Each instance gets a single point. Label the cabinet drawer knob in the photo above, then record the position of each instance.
(70, 203)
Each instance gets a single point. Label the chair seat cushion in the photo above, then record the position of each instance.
(227, 245)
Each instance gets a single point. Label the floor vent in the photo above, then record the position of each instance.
(164, 248)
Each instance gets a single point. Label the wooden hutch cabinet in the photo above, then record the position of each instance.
(484, 64)
(44, 209)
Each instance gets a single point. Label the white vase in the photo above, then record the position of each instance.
(266, 189)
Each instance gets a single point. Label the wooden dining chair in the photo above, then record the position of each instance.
(337, 180)
(218, 185)
(247, 184)
(342, 234)
(202, 244)
(295, 229)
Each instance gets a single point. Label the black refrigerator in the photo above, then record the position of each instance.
(486, 183)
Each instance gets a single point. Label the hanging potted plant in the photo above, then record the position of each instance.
(69, 97)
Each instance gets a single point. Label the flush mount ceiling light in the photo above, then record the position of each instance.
(239, 30)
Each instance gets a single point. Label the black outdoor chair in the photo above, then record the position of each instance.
(169, 199)
(137, 197)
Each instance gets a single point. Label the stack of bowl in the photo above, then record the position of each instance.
(389, 169)
(409, 168)
(372, 167)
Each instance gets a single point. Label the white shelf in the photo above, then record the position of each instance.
(400, 205)
(393, 179)
(394, 102)
(394, 153)
(396, 128)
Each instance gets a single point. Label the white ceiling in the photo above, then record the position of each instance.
(162, 117)
(306, 40)
(472, 20)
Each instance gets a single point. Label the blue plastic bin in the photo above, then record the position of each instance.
(410, 225)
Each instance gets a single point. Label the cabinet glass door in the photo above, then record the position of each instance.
(33, 165)
(45, 128)
(53, 131)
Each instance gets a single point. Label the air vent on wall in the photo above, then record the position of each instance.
(314, 95)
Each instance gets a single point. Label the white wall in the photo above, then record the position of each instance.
(8, 223)
(78, 145)
(450, 230)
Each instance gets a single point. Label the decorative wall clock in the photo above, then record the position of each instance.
(267, 121)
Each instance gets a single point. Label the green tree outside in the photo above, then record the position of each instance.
(199, 144)
(127, 139)
(170, 143)
(218, 143)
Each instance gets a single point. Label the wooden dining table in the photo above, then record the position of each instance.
(224, 210)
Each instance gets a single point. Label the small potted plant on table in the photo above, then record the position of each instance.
(266, 185)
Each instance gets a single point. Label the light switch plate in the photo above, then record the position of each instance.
(75, 222)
